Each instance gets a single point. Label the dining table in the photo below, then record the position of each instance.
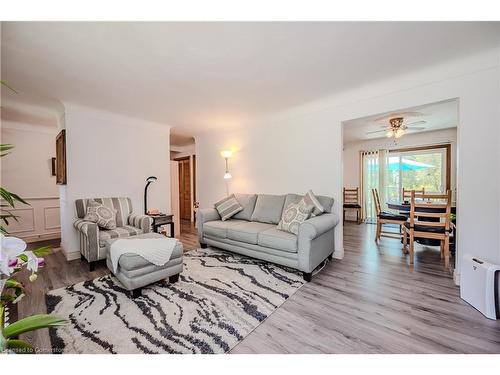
(404, 209)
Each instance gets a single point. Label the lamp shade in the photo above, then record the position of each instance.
(226, 154)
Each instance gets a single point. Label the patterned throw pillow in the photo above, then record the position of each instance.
(311, 200)
(103, 216)
(228, 207)
(294, 215)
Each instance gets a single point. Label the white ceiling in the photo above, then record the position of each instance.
(207, 75)
(437, 116)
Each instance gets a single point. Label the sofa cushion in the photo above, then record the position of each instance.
(294, 215)
(248, 203)
(218, 228)
(268, 208)
(247, 232)
(118, 232)
(104, 217)
(277, 239)
(228, 207)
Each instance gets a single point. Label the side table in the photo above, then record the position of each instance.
(163, 219)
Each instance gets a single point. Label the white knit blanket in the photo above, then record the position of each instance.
(155, 250)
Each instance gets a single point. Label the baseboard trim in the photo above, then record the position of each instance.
(71, 255)
(456, 277)
(338, 254)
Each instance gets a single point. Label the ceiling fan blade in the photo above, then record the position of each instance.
(378, 131)
(416, 128)
(416, 123)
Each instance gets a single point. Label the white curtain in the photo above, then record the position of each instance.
(370, 180)
(373, 166)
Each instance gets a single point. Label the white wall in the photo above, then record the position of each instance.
(302, 148)
(109, 155)
(27, 172)
(351, 152)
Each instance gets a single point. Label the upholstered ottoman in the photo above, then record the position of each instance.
(135, 272)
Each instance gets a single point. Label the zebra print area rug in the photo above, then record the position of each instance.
(219, 299)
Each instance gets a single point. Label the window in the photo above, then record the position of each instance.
(416, 169)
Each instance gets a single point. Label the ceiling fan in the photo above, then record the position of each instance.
(397, 128)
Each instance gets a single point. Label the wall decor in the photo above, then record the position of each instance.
(61, 158)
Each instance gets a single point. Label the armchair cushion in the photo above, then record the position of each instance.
(119, 232)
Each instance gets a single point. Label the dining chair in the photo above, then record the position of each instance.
(351, 202)
(407, 193)
(386, 218)
(430, 218)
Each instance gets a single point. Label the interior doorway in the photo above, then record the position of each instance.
(186, 193)
(388, 155)
(183, 181)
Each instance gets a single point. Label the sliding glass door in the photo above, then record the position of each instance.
(416, 169)
(391, 171)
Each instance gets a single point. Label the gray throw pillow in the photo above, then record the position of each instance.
(294, 215)
(103, 216)
(311, 200)
(228, 207)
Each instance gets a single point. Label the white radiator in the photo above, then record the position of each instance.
(479, 285)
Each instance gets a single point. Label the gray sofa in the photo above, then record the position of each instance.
(93, 239)
(253, 232)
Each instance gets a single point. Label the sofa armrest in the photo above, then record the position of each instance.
(89, 233)
(86, 227)
(140, 221)
(316, 226)
(316, 241)
(202, 216)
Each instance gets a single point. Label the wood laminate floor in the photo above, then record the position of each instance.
(369, 302)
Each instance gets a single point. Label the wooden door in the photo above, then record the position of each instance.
(185, 205)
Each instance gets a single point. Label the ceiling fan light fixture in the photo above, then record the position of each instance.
(389, 134)
(399, 133)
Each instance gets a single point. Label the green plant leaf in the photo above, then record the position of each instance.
(11, 198)
(3, 83)
(32, 323)
(20, 347)
(11, 283)
(42, 251)
(4, 148)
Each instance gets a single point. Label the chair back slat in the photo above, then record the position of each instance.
(443, 213)
(351, 196)
(376, 201)
(407, 193)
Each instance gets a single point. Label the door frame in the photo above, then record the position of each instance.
(192, 197)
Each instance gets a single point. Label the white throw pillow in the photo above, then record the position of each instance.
(294, 215)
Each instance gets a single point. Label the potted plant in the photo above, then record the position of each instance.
(13, 259)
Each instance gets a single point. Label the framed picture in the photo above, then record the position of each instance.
(53, 166)
(61, 158)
